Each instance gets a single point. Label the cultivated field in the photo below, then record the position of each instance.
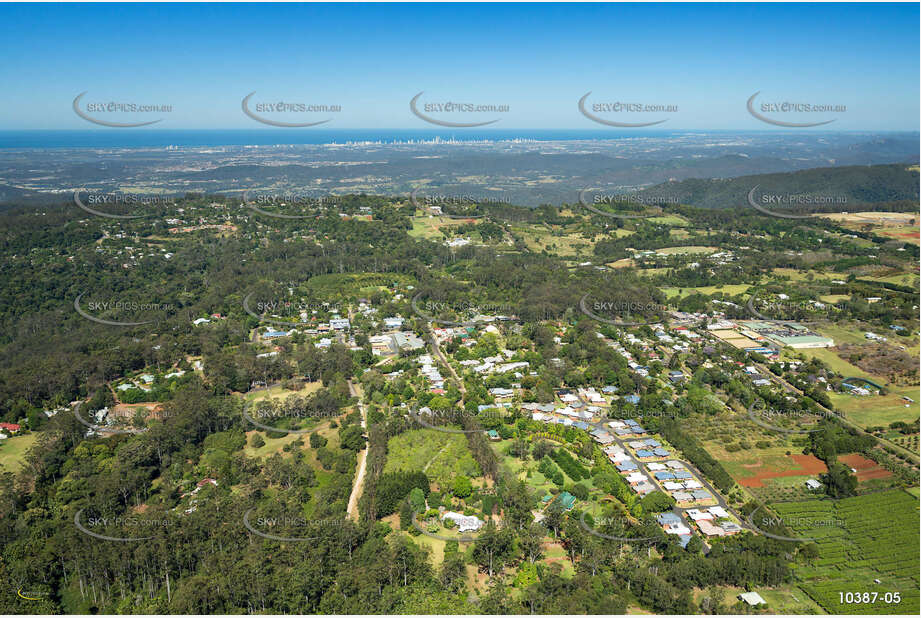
(860, 540)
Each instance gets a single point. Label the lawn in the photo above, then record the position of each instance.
(794, 274)
(789, 600)
(879, 410)
(558, 242)
(432, 228)
(275, 445)
(13, 450)
(732, 289)
(907, 279)
(872, 410)
(271, 446)
(435, 546)
(689, 250)
(840, 333)
(670, 220)
(279, 392)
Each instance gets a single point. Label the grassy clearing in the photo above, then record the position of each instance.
(831, 358)
(271, 446)
(789, 600)
(732, 289)
(13, 451)
(558, 242)
(907, 279)
(432, 228)
(874, 411)
(442, 456)
(689, 250)
(841, 333)
(280, 393)
(793, 274)
(671, 220)
(436, 547)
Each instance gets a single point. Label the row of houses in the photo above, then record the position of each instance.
(430, 372)
(714, 521)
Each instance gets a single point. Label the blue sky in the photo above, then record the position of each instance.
(537, 59)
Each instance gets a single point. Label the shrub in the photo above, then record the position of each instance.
(462, 487)
(578, 490)
(317, 441)
(575, 470)
(392, 487)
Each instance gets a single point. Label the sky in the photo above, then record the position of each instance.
(706, 60)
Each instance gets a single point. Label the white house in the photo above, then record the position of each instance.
(465, 523)
(752, 598)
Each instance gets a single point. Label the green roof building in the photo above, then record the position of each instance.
(567, 500)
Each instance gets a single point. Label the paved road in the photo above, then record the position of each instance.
(436, 349)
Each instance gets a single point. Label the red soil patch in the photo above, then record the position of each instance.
(808, 465)
(867, 469)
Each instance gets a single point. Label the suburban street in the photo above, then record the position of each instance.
(680, 511)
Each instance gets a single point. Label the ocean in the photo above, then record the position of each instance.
(160, 138)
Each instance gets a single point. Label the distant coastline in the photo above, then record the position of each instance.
(32, 139)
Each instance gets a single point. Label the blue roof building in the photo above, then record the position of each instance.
(634, 399)
(662, 475)
(668, 518)
(644, 453)
(626, 466)
(661, 452)
(651, 442)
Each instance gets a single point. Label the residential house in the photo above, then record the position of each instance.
(465, 523)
